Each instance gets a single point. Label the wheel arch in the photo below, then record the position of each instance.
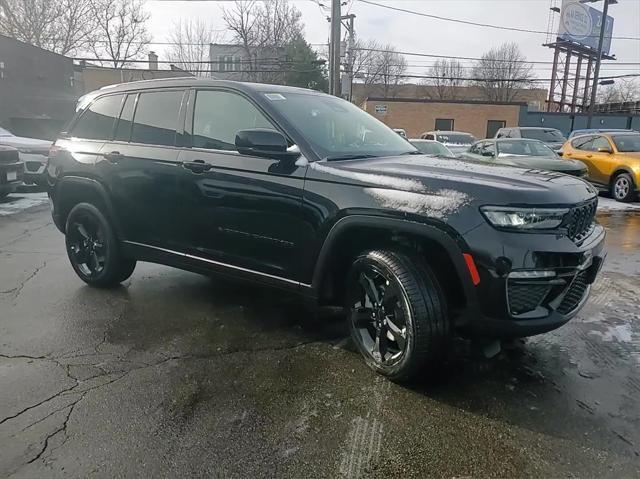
(71, 190)
(622, 169)
(352, 235)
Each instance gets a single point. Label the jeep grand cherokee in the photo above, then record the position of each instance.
(306, 192)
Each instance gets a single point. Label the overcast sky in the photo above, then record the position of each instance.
(413, 33)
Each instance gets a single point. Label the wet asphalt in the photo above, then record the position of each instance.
(179, 375)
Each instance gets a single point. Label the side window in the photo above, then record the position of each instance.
(475, 148)
(96, 123)
(430, 137)
(123, 130)
(219, 115)
(600, 142)
(156, 118)
(487, 149)
(583, 143)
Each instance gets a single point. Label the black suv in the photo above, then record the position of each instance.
(304, 191)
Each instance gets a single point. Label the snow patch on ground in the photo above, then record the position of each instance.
(609, 204)
(17, 202)
(621, 333)
(439, 204)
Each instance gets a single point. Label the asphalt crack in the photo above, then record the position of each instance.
(18, 289)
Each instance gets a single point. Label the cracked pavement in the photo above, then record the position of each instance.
(175, 375)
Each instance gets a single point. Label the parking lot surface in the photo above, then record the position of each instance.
(175, 374)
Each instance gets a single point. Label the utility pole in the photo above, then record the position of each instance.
(596, 73)
(349, 61)
(334, 49)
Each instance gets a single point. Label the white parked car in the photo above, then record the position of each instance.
(33, 153)
(457, 141)
(432, 147)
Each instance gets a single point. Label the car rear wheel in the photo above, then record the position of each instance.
(622, 188)
(397, 313)
(93, 249)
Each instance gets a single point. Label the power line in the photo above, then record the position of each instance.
(476, 24)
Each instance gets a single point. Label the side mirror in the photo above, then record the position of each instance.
(488, 154)
(605, 149)
(560, 153)
(264, 143)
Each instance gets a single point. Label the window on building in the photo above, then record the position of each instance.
(229, 63)
(493, 126)
(96, 123)
(214, 128)
(123, 129)
(443, 124)
(156, 118)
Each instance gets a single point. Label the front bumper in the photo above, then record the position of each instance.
(530, 283)
(11, 175)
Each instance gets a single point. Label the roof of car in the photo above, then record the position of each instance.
(447, 132)
(190, 81)
(533, 128)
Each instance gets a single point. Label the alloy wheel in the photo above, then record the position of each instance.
(621, 187)
(87, 245)
(380, 315)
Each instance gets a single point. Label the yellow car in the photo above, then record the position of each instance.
(613, 160)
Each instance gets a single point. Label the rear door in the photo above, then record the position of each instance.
(245, 211)
(582, 149)
(141, 164)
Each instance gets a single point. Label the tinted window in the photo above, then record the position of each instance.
(156, 118)
(123, 130)
(520, 147)
(582, 143)
(487, 149)
(432, 148)
(456, 138)
(600, 142)
(96, 123)
(219, 115)
(541, 134)
(627, 143)
(444, 124)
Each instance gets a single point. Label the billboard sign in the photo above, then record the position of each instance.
(581, 23)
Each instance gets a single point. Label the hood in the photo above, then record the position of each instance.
(542, 163)
(479, 183)
(25, 143)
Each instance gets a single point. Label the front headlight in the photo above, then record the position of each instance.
(524, 218)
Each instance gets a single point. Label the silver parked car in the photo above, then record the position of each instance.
(33, 153)
(457, 141)
(432, 148)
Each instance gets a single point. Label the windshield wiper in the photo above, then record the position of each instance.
(355, 156)
(412, 153)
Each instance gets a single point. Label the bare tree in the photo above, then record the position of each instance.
(378, 64)
(190, 45)
(501, 72)
(263, 30)
(121, 31)
(622, 91)
(61, 26)
(448, 76)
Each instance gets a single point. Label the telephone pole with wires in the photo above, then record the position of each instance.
(334, 48)
(350, 55)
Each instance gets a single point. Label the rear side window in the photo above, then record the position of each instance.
(96, 123)
(583, 143)
(219, 115)
(123, 130)
(600, 142)
(156, 118)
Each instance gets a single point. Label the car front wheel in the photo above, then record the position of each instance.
(622, 188)
(93, 248)
(397, 313)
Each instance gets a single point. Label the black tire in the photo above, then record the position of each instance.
(411, 319)
(93, 249)
(623, 188)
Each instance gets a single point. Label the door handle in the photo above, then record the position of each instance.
(197, 166)
(113, 157)
(589, 156)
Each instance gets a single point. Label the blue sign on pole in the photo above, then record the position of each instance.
(581, 23)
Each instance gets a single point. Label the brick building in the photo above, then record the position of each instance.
(480, 118)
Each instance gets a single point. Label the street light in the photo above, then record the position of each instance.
(596, 74)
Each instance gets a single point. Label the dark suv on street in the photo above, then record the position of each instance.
(303, 191)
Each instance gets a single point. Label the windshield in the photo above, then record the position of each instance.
(456, 138)
(523, 148)
(432, 148)
(336, 128)
(542, 135)
(4, 132)
(627, 143)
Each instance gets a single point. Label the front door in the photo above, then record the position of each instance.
(244, 211)
(602, 162)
